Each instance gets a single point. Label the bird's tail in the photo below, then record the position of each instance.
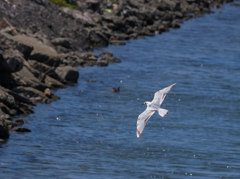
(162, 112)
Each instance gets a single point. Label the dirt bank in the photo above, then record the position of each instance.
(40, 43)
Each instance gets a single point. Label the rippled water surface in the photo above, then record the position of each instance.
(91, 132)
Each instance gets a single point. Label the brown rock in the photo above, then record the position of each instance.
(19, 121)
(47, 92)
(21, 129)
(108, 57)
(64, 42)
(25, 49)
(53, 83)
(102, 63)
(68, 74)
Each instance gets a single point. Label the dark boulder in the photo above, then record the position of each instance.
(64, 42)
(97, 38)
(21, 129)
(68, 74)
(9, 64)
(4, 133)
(25, 50)
(48, 60)
(93, 4)
(19, 121)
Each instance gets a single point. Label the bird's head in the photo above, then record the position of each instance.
(146, 103)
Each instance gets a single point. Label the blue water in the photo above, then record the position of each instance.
(91, 132)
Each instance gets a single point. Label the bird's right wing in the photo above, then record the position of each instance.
(142, 120)
(161, 94)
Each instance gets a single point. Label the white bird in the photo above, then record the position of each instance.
(152, 107)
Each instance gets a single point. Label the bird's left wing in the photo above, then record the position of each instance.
(142, 120)
(161, 94)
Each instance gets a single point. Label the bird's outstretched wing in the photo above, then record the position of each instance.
(142, 120)
(161, 94)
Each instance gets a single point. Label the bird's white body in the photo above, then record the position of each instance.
(152, 107)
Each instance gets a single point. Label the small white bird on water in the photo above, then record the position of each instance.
(152, 107)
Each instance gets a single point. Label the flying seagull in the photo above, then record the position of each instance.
(152, 107)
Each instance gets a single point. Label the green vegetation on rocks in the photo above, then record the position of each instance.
(65, 3)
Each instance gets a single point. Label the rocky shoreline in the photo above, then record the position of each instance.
(41, 43)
